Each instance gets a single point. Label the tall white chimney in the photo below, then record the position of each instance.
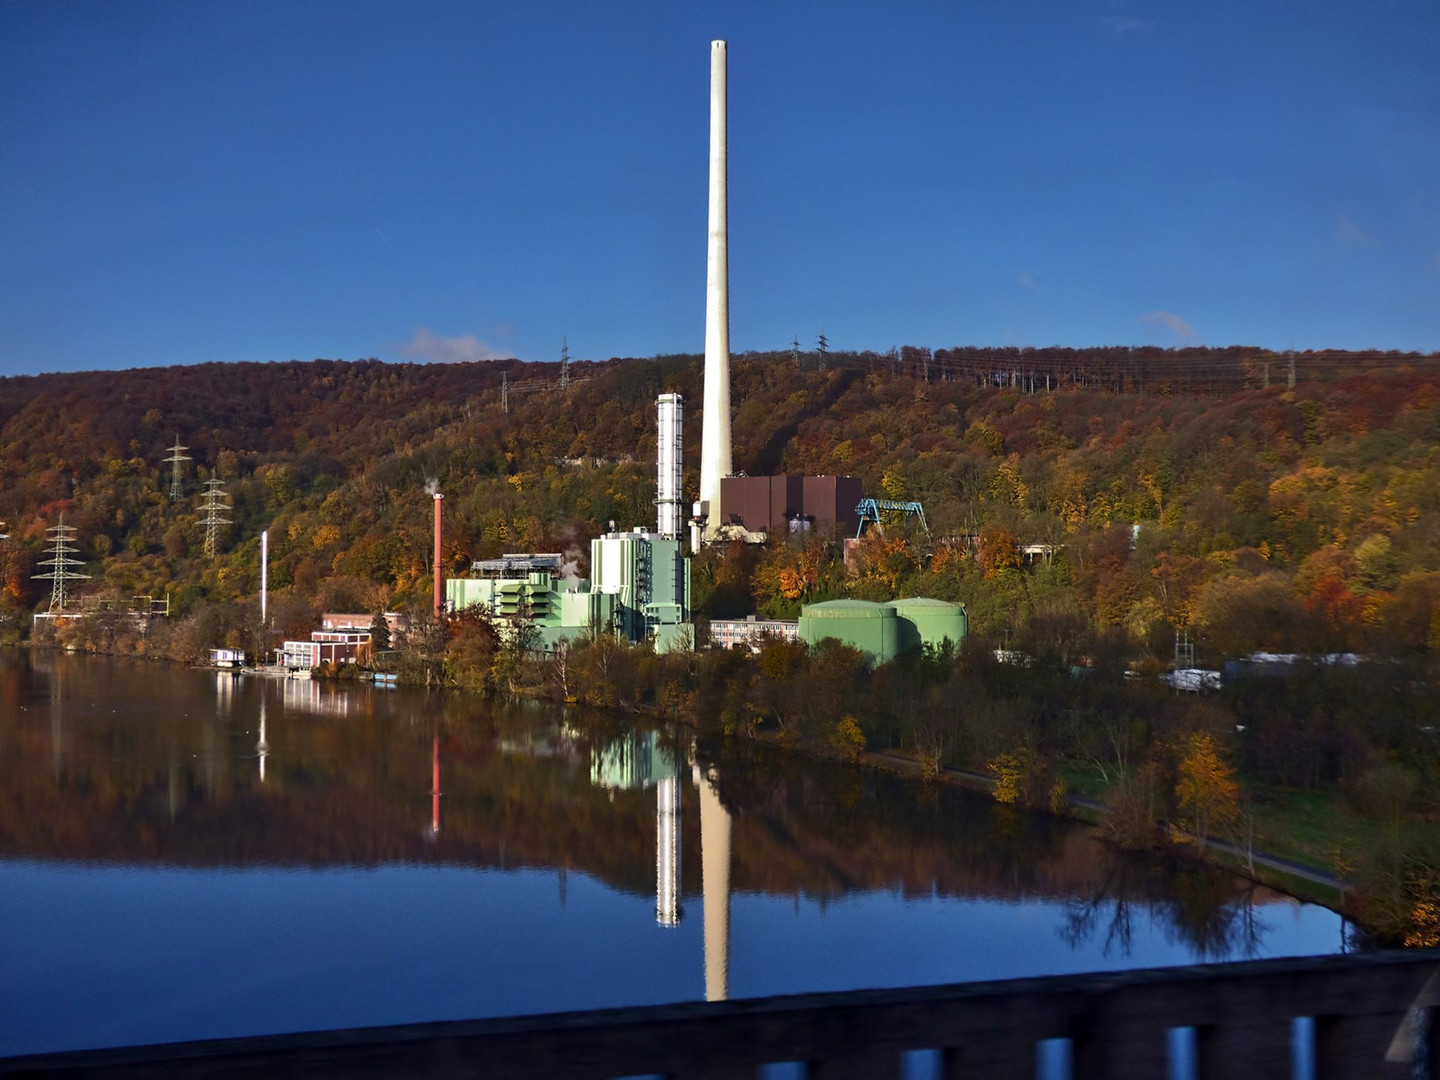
(264, 578)
(669, 502)
(715, 430)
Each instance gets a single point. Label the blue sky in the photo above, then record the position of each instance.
(188, 182)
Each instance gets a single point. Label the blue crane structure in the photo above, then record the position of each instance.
(870, 509)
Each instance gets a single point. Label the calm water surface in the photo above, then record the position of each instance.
(189, 856)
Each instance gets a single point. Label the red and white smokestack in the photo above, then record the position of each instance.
(439, 576)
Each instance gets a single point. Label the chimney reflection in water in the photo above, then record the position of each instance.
(667, 851)
(715, 882)
(435, 786)
(262, 748)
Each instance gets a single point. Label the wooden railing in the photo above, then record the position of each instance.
(1370, 1017)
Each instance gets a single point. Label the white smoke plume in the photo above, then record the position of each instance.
(464, 349)
(432, 486)
(575, 554)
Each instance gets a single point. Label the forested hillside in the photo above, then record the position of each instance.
(1268, 516)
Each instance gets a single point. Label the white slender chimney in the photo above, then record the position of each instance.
(264, 575)
(669, 501)
(715, 429)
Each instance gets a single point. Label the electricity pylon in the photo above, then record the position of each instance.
(213, 505)
(60, 539)
(177, 455)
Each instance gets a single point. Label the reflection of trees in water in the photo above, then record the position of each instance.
(151, 772)
(1197, 906)
(823, 830)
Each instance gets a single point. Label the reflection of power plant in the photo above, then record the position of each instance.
(667, 851)
(631, 763)
(636, 762)
(435, 787)
(715, 883)
(262, 748)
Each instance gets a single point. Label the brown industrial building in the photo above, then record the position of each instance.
(783, 504)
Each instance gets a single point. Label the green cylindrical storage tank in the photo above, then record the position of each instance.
(929, 622)
(871, 628)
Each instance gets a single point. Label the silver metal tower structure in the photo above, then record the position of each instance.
(177, 456)
(60, 539)
(669, 501)
(213, 505)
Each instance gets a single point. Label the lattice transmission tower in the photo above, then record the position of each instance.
(61, 542)
(175, 460)
(213, 506)
(564, 363)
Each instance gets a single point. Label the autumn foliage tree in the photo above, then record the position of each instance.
(1206, 790)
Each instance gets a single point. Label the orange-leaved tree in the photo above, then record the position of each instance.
(1206, 787)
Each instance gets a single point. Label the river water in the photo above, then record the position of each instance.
(185, 855)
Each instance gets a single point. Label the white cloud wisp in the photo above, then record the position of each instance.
(429, 347)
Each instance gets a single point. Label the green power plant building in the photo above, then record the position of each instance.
(639, 589)
(649, 578)
(531, 590)
(884, 631)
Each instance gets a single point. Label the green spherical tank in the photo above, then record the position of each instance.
(871, 628)
(930, 622)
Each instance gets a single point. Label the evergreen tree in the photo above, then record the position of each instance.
(379, 632)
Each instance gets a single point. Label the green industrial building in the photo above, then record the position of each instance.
(553, 608)
(884, 631)
(649, 577)
(639, 589)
